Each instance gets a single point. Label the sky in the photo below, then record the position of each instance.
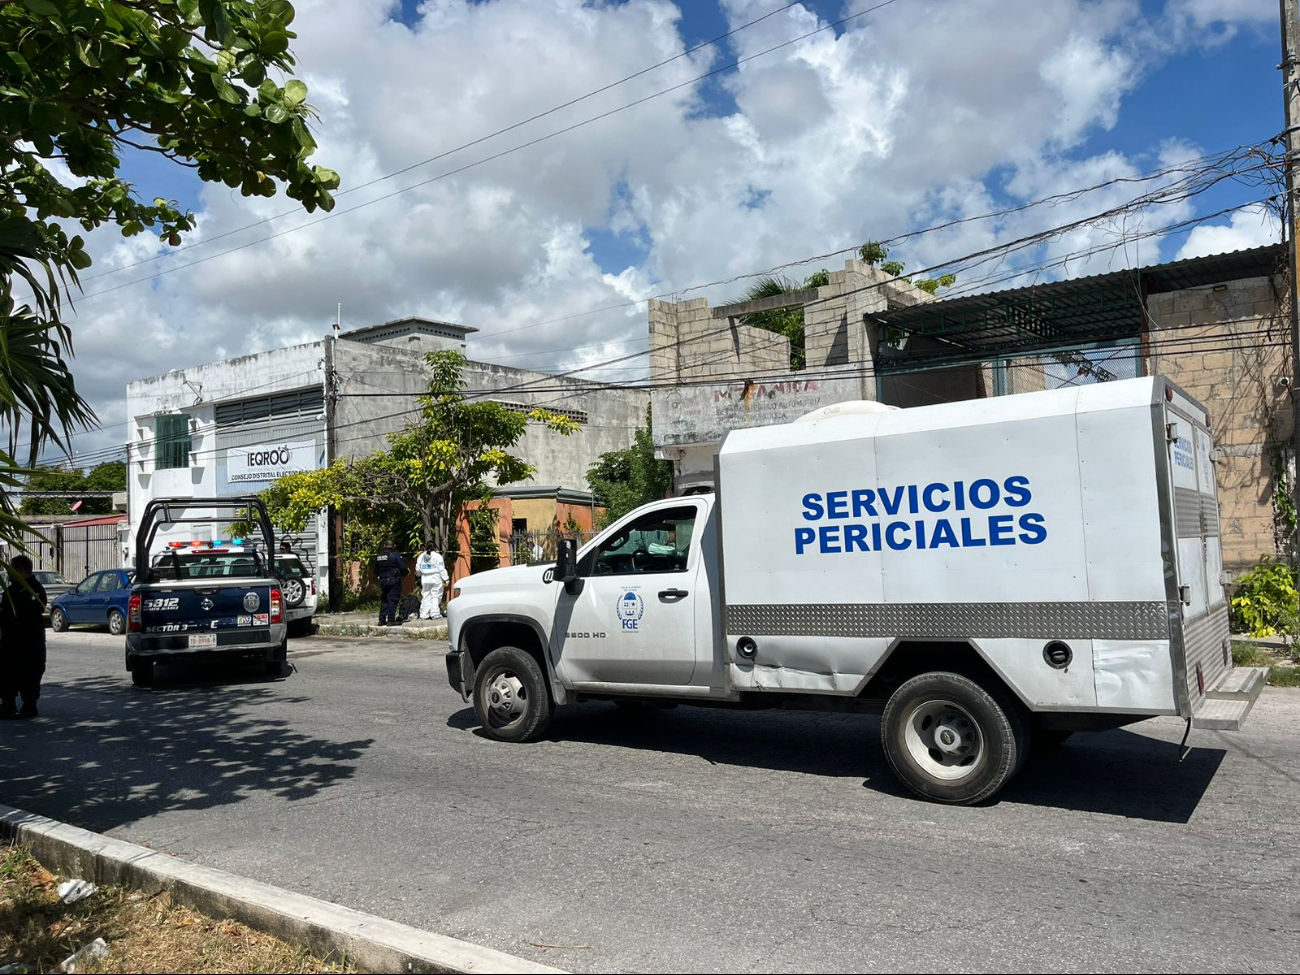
(907, 115)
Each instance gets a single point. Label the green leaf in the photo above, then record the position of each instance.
(305, 140)
(277, 114)
(21, 61)
(42, 7)
(253, 109)
(225, 62)
(190, 11)
(275, 43)
(267, 90)
(86, 55)
(216, 21)
(228, 92)
(254, 72)
(295, 93)
(327, 178)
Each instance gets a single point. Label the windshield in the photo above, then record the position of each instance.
(49, 578)
(208, 565)
(291, 568)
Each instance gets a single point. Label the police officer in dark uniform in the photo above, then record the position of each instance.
(22, 641)
(390, 567)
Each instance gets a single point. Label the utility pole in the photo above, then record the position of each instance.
(331, 520)
(1290, 67)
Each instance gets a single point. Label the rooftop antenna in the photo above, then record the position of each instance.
(338, 319)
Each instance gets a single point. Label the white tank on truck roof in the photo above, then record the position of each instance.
(853, 407)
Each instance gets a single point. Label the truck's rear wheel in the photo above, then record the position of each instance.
(142, 673)
(510, 695)
(951, 740)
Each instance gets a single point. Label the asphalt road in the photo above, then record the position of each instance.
(688, 840)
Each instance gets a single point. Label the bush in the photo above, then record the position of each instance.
(1266, 601)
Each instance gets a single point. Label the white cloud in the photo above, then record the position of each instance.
(895, 122)
(1246, 228)
(1208, 13)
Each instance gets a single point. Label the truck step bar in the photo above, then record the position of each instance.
(1228, 703)
(1239, 684)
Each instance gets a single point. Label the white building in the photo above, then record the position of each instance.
(235, 426)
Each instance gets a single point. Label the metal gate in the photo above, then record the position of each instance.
(75, 551)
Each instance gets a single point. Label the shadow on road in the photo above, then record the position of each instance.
(105, 753)
(1120, 773)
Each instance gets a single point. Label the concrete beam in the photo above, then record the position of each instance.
(788, 300)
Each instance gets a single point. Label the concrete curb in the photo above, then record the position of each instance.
(405, 632)
(372, 943)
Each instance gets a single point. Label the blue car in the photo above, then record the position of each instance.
(100, 599)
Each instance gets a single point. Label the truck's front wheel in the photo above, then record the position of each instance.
(950, 740)
(510, 695)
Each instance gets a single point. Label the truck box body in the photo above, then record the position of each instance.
(1011, 522)
(985, 574)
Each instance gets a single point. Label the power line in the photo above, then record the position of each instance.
(1235, 341)
(983, 256)
(465, 145)
(486, 159)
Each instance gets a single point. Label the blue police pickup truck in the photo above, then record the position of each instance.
(204, 600)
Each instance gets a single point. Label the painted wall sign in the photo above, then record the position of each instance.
(269, 461)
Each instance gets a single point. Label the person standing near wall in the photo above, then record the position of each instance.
(22, 641)
(390, 568)
(433, 577)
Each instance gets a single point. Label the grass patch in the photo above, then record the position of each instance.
(1284, 675)
(145, 933)
(1282, 671)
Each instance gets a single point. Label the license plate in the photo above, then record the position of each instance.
(203, 640)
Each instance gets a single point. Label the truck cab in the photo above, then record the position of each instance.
(207, 598)
(987, 576)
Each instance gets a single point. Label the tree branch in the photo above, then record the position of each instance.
(168, 153)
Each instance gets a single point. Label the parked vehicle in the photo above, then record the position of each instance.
(300, 596)
(52, 582)
(54, 585)
(985, 574)
(204, 600)
(100, 599)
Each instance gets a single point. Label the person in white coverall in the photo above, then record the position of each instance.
(433, 576)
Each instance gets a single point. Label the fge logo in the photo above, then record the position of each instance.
(629, 609)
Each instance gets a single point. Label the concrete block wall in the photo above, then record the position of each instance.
(1227, 346)
(364, 422)
(687, 342)
(834, 332)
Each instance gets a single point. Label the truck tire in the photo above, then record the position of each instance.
(294, 592)
(951, 740)
(510, 695)
(142, 673)
(274, 665)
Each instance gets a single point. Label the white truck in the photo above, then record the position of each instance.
(985, 574)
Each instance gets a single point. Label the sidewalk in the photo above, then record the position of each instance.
(366, 624)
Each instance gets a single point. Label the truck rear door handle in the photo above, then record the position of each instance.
(672, 593)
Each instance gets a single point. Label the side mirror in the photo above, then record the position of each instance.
(566, 562)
